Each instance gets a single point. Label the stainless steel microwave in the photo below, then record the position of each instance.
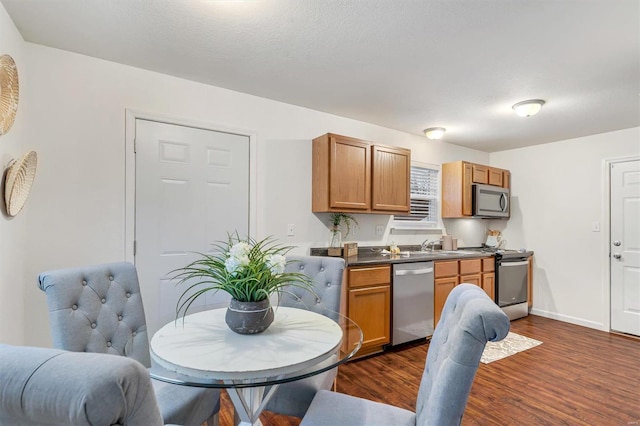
(490, 201)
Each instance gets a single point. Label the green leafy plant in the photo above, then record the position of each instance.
(247, 269)
(338, 218)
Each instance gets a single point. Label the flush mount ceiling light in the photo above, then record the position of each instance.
(528, 108)
(435, 132)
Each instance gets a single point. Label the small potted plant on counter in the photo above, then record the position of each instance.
(335, 235)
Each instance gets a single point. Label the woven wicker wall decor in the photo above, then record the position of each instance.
(9, 93)
(18, 181)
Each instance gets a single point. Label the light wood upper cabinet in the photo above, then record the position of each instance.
(352, 175)
(480, 174)
(457, 185)
(495, 176)
(506, 179)
(341, 174)
(391, 179)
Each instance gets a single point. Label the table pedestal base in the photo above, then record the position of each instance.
(249, 403)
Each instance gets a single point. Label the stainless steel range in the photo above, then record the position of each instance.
(512, 277)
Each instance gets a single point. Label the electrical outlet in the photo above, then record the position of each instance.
(291, 230)
(379, 229)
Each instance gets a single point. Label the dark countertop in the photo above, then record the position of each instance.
(410, 254)
(368, 257)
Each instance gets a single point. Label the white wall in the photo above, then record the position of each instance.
(558, 191)
(13, 231)
(77, 124)
(75, 108)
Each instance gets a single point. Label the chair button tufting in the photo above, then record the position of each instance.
(93, 325)
(110, 277)
(103, 300)
(109, 344)
(119, 317)
(84, 282)
(134, 334)
(74, 307)
(128, 294)
(329, 284)
(322, 269)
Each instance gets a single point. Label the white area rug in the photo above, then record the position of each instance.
(512, 344)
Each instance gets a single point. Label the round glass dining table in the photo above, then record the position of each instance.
(200, 350)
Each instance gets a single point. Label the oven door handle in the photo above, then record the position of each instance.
(503, 263)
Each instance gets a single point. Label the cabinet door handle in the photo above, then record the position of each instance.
(617, 255)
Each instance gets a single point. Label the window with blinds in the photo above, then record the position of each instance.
(424, 198)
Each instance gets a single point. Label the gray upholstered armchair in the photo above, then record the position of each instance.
(99, 309)
(41, 386)
(468, 321)
(293, 398)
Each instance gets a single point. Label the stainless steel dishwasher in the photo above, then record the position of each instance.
(412, 301)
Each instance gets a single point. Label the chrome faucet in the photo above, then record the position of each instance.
(427, 245)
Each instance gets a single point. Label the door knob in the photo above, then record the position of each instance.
(617, 243)
(617, 255)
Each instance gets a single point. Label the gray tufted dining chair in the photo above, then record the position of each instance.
(99, 309)
(293, 398)
(44, 386)
(469, 319)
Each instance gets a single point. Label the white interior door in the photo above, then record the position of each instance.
(192, 188)
(625, 247)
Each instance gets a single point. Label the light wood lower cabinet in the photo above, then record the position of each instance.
(443, 287)
(475, 279)
(489, 276)
(446, 278)
(470, 271)
(489, 284)
(450, 273)
(369, 305)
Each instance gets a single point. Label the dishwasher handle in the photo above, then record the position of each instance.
(503, 263)
(422, 271)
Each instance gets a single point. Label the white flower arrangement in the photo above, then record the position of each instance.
(249, 270)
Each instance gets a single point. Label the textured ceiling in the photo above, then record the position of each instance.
(402, 64)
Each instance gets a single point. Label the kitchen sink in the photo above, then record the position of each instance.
(458, 251)
(436, 253)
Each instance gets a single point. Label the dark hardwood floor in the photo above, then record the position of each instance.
(578, 376)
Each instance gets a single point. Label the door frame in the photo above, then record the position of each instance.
(606, 234)
(131, 115)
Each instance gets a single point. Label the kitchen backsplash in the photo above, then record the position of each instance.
(469, 232)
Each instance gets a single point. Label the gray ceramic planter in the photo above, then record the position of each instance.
(249, 317)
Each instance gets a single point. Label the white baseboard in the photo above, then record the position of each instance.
(569, 319)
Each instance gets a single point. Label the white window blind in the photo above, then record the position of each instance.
(424, 197)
